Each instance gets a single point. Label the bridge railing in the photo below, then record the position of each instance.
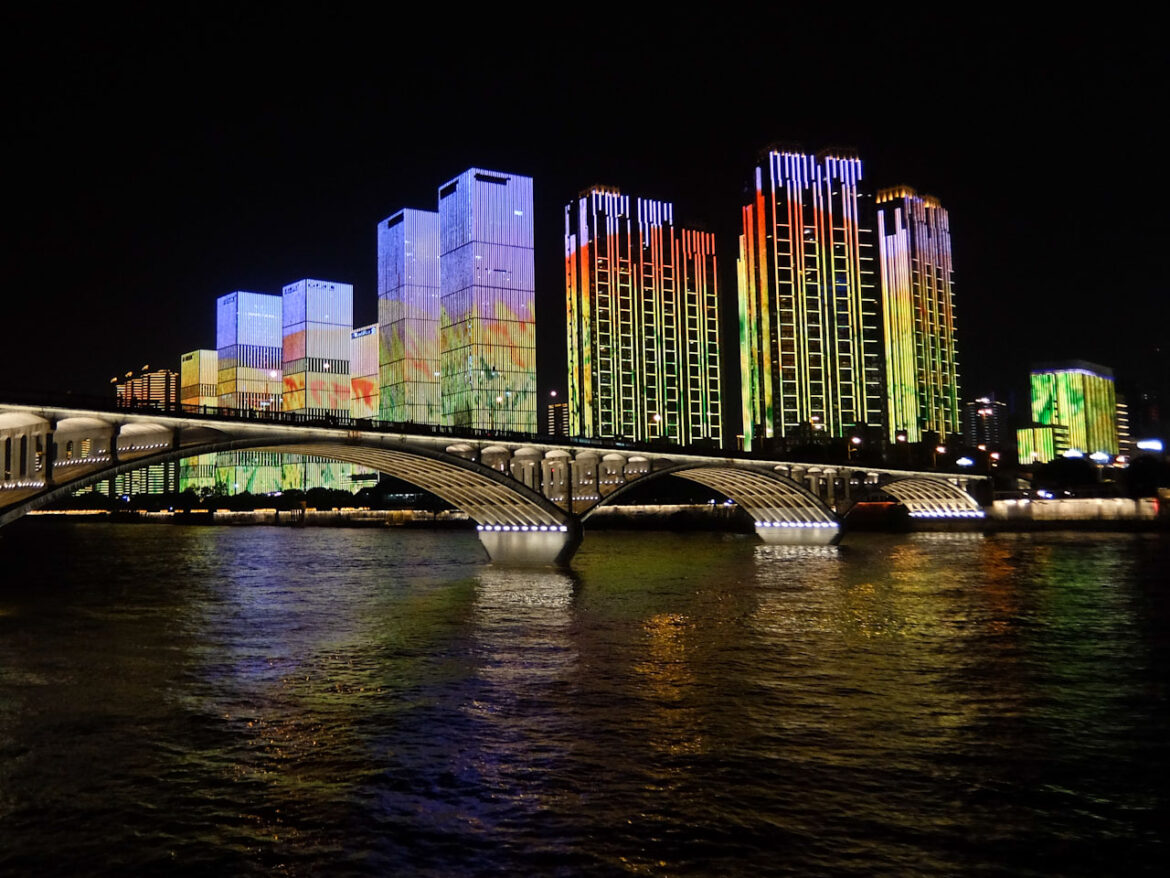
(455, 433)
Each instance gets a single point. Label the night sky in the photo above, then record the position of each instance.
(157, 161)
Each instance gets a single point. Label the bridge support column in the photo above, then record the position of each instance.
(817, 535)
(533, 547)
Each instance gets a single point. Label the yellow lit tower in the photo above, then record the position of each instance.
(643, 322)
(810, 348)
(918, 314)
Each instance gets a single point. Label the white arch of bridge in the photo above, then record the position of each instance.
(933, 498)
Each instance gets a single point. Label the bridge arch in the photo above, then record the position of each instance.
(933, 498)
(515, 523)
(782, 510)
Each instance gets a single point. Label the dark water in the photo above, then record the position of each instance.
(256, 701)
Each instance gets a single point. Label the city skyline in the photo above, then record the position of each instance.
(170, 206)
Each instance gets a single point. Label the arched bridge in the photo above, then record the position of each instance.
(529, 499)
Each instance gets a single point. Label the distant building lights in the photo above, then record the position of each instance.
(965, 461)
(1074, 453)
(1150, 444)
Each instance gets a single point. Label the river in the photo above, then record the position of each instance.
(278, 701)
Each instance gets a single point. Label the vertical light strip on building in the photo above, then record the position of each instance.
(642, 322)
(809, 347)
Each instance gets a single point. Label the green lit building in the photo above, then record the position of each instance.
(1079, 396)
(918, 315)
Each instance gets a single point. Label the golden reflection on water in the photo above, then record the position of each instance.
(668, 681)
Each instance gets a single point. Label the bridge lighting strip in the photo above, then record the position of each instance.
(967, 513)
(831, 524)
(551, 528)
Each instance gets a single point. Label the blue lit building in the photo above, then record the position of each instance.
(250, 351)
(408, 317)
(487, 328)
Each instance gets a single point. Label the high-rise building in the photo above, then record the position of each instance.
(918, 315)
(250, 351)
(158, 388)
(810, 345)
(408, 317)
(1080, 396)
(199, 378)
(985, 423)
(487, 324)
(317, 318)
(643, 322)
(363, 369)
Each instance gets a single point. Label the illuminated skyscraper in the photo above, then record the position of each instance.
(250, 349)
(1080, 396)
(487, 329)
(317, 317)
(810, 349)
(408, 317)
(199, 378)
(363, 371)
(643, 322)
(918, 315)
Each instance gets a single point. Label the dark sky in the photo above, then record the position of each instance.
(157, 161)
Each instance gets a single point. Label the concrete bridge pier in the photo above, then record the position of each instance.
(531, 546)
(801, 534)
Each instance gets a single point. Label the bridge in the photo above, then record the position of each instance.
(529, 498)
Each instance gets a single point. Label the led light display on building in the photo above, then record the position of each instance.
(363, 368)
(317, 317)
(487, 328)
(918, 315)
(408, 317)
(250, 351)
(642, 320)
(810, 351)
(1040, 444)
(199, 378)
(1080, 396)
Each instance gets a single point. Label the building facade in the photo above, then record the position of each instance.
(408, 317)
(810, 344)
(148, 387)
(985, 423)
(1080, 396)
(642, 322)
(918, 314)
(487, 320)
(363, 371)
(199, 378)
(317, 320)
(249, 345)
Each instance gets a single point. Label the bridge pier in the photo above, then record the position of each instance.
(809, 534)
(512, 546)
